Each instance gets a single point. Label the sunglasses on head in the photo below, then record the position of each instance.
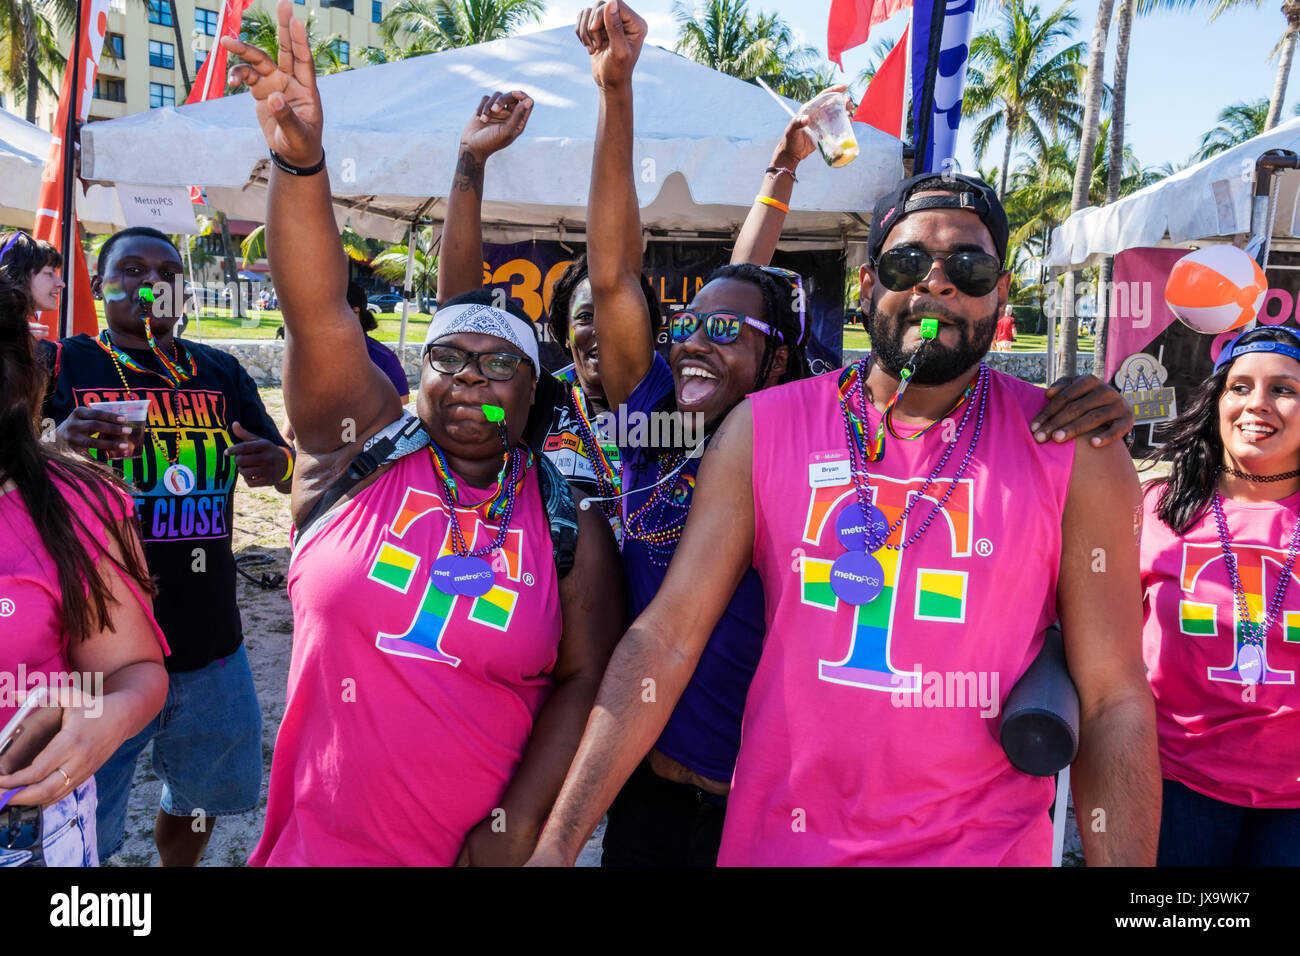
(497, 366)
(797, 279)
(972, 272)
(722, 327)
(10, 244)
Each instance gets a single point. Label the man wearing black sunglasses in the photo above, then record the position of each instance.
(909, 531)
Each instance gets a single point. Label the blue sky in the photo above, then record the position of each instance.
(1182, 69)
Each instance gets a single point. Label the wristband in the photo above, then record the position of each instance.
(774, 203)
(288, 471)
(778, 170)
(298, 170)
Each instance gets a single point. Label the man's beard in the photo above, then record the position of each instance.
(940, 363)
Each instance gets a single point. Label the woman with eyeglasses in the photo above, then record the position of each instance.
(32, 265)
(1220, 537)
(75, 598)
(744, 331)
(444, 664)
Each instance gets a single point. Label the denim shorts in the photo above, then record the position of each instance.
(67, 832)
(207, 749)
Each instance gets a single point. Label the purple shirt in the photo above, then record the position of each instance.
(703, 732)
(389, 364)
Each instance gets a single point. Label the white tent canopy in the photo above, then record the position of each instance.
(1209, 200)
(703, 140)
(23, 149)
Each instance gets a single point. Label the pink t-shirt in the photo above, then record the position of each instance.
(869, 734)
(34, 649)
(408, 709)
(1222, 737)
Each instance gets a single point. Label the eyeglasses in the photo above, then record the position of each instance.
(497, 366)
(721, 327)
(971, 272)
(20, 829)
(797, 279)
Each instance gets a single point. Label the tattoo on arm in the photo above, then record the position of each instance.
(469, 174)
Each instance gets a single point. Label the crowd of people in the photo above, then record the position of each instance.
(509, 623)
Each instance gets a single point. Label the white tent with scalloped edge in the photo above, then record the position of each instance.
(703, 140)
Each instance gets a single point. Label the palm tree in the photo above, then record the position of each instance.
(1114, 173)
(260, 29)
(1284, 51)
(428, 26)
(1236, 124)
(391, 265)
(724, 36)
(1093, 89)
(1024, 81)
(30, 53)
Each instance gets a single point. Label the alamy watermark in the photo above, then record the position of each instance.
(638, 429)
(70, 689)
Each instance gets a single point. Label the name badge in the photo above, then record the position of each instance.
(828, 469)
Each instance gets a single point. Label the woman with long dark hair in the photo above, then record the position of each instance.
(74, 599)
(1221, 639)
(33, 266)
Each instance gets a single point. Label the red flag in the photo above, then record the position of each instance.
(882, 103)
(49, 211)
(210, 84)
(851, 22)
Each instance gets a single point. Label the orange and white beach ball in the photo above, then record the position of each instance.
(1216, 289)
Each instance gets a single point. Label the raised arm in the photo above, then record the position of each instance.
(653, 663)
(1116, 775)
(333, 393)
(762, 229)
(613, 35)
(497, 123)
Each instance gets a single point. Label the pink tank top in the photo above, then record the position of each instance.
(408, 709)
(869, 734)
(1233, 741)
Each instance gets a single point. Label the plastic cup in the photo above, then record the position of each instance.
(829, 126)
(136, 414)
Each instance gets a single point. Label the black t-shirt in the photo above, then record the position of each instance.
(187, 536)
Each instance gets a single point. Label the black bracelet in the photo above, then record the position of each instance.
(781, 169)
(299, 170)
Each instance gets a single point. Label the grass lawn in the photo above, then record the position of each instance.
(856, 338)
(219, 324)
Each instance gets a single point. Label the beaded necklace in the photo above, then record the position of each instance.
(608, 479)
(464, 571)
(177, 478)
(850, 384)
(667, 505)
(1250, 657)
(856, 576)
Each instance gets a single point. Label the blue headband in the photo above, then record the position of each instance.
(1232, 350)
(9, 245)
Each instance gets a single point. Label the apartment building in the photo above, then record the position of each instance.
(150, 60)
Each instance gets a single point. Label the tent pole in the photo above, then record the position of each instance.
(1059, 814)
(1051, 333)
(189, 268)
(406, 288)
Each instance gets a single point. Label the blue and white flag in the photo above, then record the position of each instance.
(941, 32)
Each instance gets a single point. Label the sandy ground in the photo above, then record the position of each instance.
(262, 534)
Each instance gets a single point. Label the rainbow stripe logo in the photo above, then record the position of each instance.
(394, 568)
(816, 583)
(494, 609)
(1291, 627)
(940, 596)
(1196, 619)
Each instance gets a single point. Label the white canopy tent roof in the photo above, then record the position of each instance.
(23, 149)
(1211, 200)
(392, 131)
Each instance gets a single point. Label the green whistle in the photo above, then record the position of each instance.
(929, 328)
(494, 413)
(146, 295)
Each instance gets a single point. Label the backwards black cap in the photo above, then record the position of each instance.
(973, 195)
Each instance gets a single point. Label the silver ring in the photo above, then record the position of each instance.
(66, 778)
